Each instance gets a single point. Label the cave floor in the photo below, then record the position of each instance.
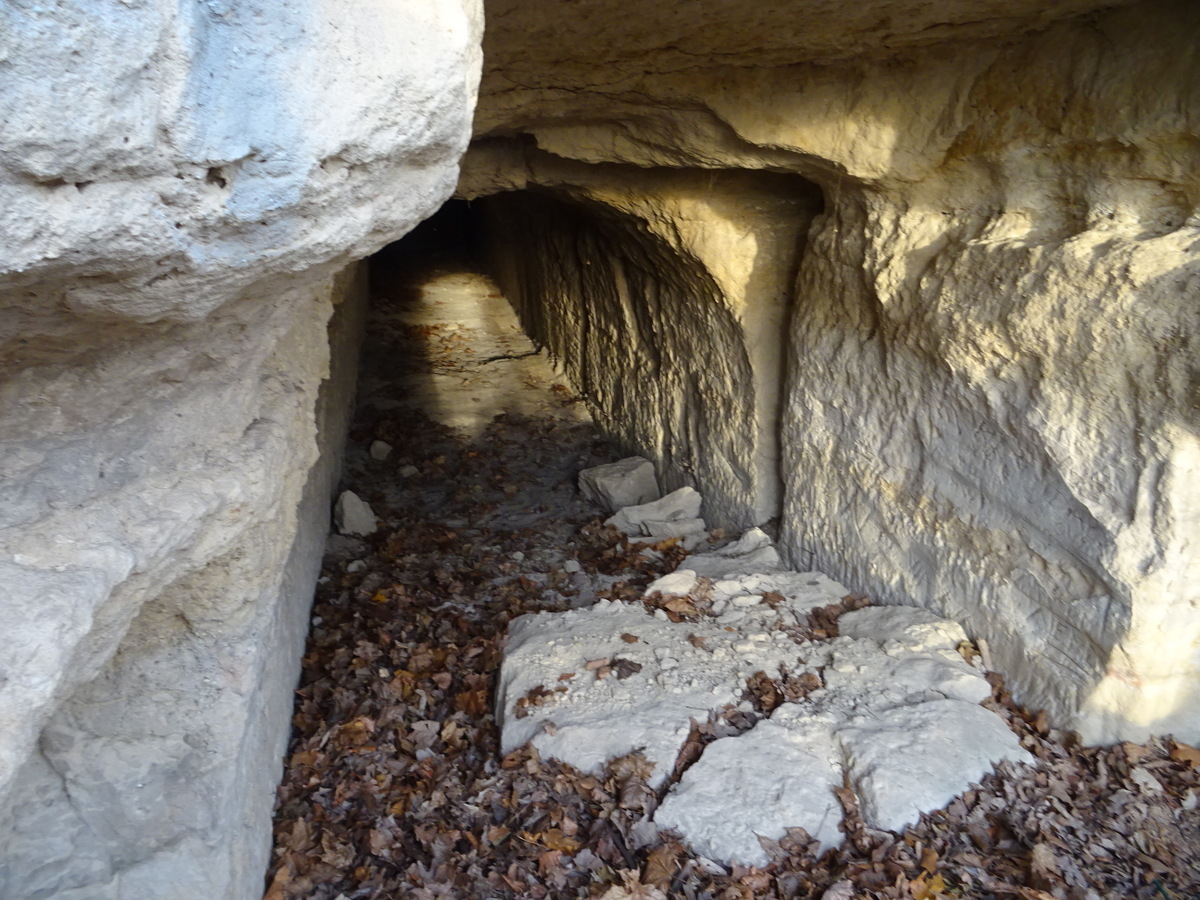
(394, 783)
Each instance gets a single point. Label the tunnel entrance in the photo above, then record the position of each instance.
(666, 296)
(403, 776)
(466, 445)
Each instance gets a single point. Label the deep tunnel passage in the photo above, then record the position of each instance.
(668, 296)
(467, 443)
(394, 777)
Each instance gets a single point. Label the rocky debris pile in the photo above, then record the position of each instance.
(887, 705)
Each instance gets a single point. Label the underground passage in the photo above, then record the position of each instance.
(579, 450)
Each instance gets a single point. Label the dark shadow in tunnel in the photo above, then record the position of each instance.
(447, 239)
(444, 352)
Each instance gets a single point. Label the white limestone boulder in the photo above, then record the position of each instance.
(915, 758)
(762, 783)
(353, 515)
(751, 554)
(897, 715)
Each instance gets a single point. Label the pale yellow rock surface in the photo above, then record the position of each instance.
(990, 404)
(919, 277)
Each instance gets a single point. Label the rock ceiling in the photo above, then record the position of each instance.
(563, 42)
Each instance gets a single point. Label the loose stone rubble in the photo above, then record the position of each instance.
(677, 515)
(893, 712)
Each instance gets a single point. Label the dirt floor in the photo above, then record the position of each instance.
(395, 786)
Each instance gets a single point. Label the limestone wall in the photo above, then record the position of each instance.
(155, 772)
(182, 187)
(992, 402)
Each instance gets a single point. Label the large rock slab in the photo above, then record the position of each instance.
(685, 670)
(896, 716)
(772, 779)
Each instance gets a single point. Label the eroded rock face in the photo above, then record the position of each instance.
(182, 187)
(990, 405)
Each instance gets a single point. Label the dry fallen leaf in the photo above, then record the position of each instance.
(662, 865)
(840, 890)
(929, 860)
(1185, 753)
(625, 667)
(632, 888)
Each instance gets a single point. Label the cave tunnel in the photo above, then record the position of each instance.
(665, 296)
(913, 284)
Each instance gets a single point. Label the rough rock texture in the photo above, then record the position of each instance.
(626, 482)
(352, 514)
(156, 623)
(889, 708)
(177, 352)
(991, 390)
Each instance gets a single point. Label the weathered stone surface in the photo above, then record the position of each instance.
(353, 515)
(917, 277)
(989, 407)
(180, 186)
(772, 779)
(896, 715)
(752, 554)
(680, 507)
(905, 760)
(180, 154)
(160, 706)
(626, 482)
(666, 293)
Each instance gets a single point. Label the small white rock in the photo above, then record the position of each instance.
(679, 582)
(353, 515)
(380, 450)
(571, 566)
(408, 471)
